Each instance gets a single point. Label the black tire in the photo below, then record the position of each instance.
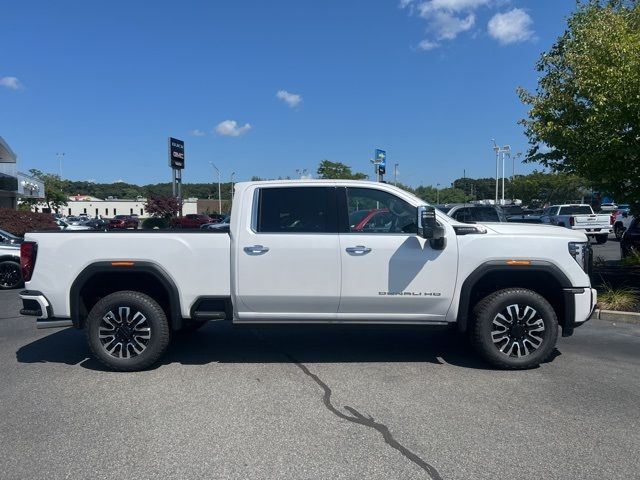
(485, 334)
(10, 275)
(152, 338)
(601, 239)
(619, 231)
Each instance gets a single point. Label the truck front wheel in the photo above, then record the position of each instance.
(514, 328)
(127, 331)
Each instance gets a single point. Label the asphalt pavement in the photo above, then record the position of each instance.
(317, 403)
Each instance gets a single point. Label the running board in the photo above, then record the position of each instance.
(203, 316)
(55, 323)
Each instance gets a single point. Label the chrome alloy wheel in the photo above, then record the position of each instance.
(10, 275)
(124, 335)
(517, 331)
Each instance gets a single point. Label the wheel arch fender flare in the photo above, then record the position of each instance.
(497, 266)
(150, 268)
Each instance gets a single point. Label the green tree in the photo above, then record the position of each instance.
(54, 195)
(336, 170)
(584, 117)
(538, 188)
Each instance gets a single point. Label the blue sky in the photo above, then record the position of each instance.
(430, 81)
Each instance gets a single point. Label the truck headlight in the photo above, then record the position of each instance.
(581, 253)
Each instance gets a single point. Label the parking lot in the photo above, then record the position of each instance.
(312, 402)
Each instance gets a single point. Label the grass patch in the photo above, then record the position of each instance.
(631, 260)
(624, 299)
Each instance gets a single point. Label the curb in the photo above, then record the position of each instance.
(614, 316)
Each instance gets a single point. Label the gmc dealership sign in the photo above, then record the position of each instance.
(176, 153)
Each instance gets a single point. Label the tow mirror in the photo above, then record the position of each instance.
(429, 228)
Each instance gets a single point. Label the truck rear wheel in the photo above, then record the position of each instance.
(514, 328)
(127, 331)
(602, 238)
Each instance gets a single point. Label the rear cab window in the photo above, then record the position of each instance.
(576, 210)
(296, 210)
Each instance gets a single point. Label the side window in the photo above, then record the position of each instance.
(375, 211)
(462, 215)
(297, 210)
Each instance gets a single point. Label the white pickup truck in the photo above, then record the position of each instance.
(296, 253)
(580, 217)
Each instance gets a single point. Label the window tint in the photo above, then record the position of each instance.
(297, 210)
(576, 210)
(375, 211)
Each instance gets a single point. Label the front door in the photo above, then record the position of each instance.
(288, 259)
(388, 271)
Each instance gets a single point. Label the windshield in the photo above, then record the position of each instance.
(576, 210)
(8, 235)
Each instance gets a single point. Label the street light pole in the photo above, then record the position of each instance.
(219, 190)
(232, 191)
(60, 158)
(395, 174)
(437, 194)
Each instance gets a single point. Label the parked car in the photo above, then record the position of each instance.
(70, 228)
(292, 256)
(580, 217)
(97, 224)
(10, 271)
(630, 241)
(471, 213)
(123, 222)
(608, 207)
(192, 220)
(7, 238)
(516, 213)
(621, 222)
(222, 225)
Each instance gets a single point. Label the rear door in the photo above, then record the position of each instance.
(389, 273)
(288, 259)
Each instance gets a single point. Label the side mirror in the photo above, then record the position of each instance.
(429, 228)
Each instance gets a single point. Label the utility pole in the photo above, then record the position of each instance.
(395, 174)
(219, 190)
(60, 157)
(500, 151)
(437, 194)
(232, 184)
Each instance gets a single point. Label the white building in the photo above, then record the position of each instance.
(110, 207)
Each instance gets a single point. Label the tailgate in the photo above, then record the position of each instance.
(592, 221)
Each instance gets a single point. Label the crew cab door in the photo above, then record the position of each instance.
(388, 271)
(288, 255)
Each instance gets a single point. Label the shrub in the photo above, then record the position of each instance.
(152, 223)
(631, 260)
(20, 222)
(621, 299)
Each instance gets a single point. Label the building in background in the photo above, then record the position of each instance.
(13, 184)
(110, 207)
(8, 176)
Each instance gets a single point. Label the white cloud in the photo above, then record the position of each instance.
(11, 83)
(447, 19)
(447, 26)
(291, 99)
(427, 45)
(230, 128)
(197, 133)
(511, 27)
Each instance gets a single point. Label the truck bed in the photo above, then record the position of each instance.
(198, 261)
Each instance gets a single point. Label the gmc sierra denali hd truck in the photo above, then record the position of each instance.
(293, 254)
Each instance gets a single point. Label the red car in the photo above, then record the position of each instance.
(192, 220)
(374, 220)
(122, 222)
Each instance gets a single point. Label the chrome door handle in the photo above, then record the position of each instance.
(256, 250)
(358, 250)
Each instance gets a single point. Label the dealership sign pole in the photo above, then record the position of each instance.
(176, 162)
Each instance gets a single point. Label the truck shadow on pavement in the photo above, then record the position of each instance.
(224, 343)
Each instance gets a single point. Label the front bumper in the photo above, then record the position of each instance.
(35, 304)
(579, 305)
